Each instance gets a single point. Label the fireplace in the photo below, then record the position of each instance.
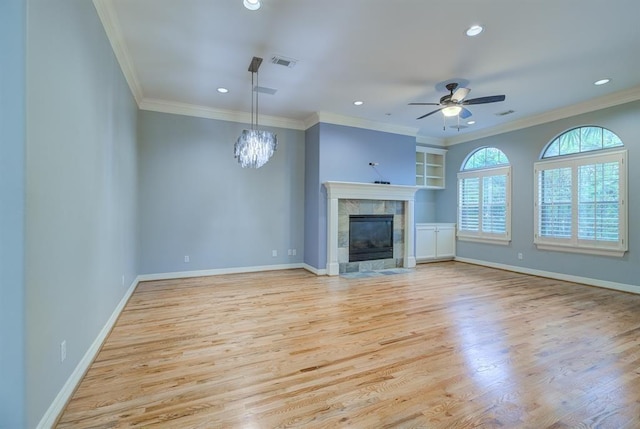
(368, 198)
(370, 237)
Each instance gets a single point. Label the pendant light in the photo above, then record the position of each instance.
(254, 147)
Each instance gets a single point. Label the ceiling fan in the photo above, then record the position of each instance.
(452, 103)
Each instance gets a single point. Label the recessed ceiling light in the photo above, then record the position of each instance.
(252, 4)
(602, 81)
(222, 90)
(358, 103)
(471, 122)
(474, 30)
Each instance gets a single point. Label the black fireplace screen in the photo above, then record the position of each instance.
(370, 237)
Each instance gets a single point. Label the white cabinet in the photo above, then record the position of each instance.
(435, 241)
(430, 167)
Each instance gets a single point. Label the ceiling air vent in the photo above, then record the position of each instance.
(282, 61)
(505, 113)
(265, 90)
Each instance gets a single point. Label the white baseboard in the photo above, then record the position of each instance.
(314, 270)
(557, 276)
(217, 272)
(60, 401)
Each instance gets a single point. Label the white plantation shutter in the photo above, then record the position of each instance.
(554, 203)
(469, 204)
(494, 204)
(599, 202)
(580, 204)
(484, 212)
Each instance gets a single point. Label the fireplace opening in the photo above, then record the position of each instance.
(370, 237)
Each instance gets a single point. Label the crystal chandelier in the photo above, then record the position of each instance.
(254, 147)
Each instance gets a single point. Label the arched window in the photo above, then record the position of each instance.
(580, 198)
(485, 157)
(582, 139)
(484, 197)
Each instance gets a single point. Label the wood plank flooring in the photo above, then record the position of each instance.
(449, 345)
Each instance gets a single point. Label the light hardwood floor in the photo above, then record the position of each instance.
(449, 345)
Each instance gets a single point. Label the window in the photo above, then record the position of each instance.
(582, 139)
(484, 197)
(580, 200)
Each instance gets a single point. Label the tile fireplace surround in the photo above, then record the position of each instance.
(376, 194)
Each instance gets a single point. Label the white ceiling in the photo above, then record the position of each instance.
(544, 55)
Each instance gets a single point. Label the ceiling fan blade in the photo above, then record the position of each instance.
(424, 104)
(484, 100)
(460, 94)
(464, 113)
(428, 114)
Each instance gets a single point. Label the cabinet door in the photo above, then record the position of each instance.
(425, 242)
(446, 241)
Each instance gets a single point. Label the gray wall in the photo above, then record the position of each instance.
(196, 200)
(12, 171)
(425, 205)
(80, 191)
(523, 147)
(344, 154)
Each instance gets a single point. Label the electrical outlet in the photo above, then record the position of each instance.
(294, 252)
(520, 256)
(186, 258)
(63, 351)
(122, 281)
(274, 253)
(290, 252)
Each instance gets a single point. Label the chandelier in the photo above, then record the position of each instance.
(254, 147)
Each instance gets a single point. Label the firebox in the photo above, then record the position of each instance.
(370, 237)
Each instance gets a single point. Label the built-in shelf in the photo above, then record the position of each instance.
(430, 163)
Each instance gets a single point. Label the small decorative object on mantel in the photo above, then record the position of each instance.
(254, 147)
(379, 182)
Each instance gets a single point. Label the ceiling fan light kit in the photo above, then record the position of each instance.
(451, 111)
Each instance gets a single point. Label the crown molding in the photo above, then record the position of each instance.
(349, 121)
(185, 109)
(109, 20)
(311, 120)
(611, 100)
(432, 141)
(108, 17)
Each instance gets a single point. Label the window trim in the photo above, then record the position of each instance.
(479, 236)
(575, 244)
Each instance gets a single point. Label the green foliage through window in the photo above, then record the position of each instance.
(486, 157)
(582, 139)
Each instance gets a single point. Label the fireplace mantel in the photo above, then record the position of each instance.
(370, 191)
(367, 191)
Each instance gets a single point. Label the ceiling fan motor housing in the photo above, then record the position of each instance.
(446, 99)
(451, 86)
